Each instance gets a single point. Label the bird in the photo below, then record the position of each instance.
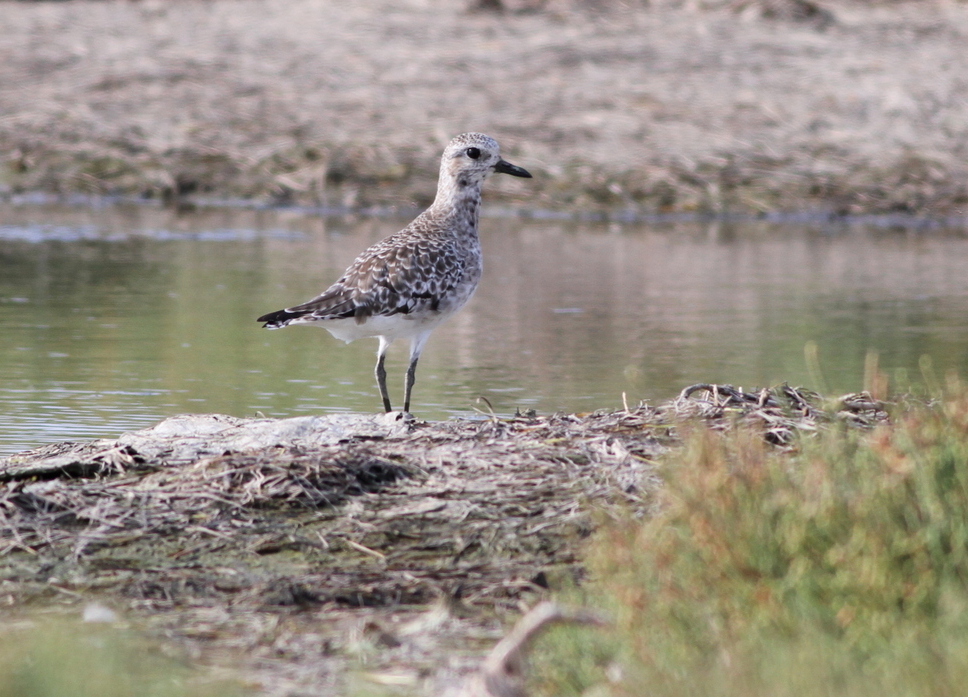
(404, 286)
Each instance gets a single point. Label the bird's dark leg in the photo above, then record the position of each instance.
(381, 378)
(416, 346)
(411, 376)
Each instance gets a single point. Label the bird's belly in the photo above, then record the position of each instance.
(392, 327)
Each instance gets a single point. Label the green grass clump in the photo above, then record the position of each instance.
(840, 568)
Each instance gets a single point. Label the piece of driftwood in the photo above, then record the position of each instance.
(503, 672)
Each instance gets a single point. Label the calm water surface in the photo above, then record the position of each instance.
(113, 318)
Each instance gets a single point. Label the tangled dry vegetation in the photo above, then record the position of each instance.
(718, 106)
(289, 550)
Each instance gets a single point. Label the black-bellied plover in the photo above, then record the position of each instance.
(405, 285)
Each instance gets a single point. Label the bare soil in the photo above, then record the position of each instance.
(631, 107)
(301, 554)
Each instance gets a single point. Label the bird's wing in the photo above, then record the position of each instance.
(403, 275)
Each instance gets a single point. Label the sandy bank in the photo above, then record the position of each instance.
(648, 108)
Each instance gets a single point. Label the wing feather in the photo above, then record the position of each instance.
(400, 275)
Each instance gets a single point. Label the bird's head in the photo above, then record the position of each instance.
(470, 158)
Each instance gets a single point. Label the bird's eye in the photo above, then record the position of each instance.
(473, 153)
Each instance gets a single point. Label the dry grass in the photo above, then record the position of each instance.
(640, 107)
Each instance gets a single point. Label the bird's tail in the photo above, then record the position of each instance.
(280, 318)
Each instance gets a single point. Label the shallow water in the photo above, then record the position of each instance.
(113, 318)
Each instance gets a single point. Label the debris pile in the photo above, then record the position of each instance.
(283, 549)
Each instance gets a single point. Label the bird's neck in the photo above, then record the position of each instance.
(459, 205)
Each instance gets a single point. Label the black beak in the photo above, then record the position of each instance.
(507, 168)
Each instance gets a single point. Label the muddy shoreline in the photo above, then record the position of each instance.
(627, 110)
(916, 221)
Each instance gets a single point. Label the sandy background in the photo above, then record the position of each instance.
(618, 106)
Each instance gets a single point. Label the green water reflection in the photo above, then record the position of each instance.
(113, 318)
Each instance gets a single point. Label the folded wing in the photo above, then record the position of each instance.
(389, 278)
